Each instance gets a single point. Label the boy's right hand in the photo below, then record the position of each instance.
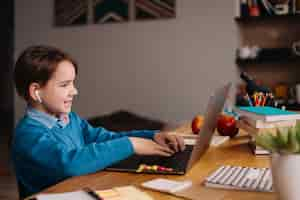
(143, 146)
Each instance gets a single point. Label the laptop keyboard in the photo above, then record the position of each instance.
(178, 161)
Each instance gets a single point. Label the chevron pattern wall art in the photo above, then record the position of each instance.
(154, 9)
(79, 12)
(70, 12)
(111, 11)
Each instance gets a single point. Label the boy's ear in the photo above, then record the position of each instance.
(34, 92)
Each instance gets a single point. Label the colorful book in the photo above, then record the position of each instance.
(266, 113)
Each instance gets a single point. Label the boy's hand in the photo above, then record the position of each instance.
(167, 139)
(149, 147)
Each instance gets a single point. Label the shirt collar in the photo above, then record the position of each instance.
(46, 119)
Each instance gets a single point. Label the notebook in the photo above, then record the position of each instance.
(179, 162)
(241, 178)
(116, 193)
(76, 195)
(166, 185)
(274, 124)
(266, 113)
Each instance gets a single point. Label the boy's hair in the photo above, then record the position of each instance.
(37, 64)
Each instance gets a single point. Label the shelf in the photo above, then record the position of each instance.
(295, 17)
(271, 55)
(292, 107)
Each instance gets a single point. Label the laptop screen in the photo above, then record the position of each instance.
(215, 107)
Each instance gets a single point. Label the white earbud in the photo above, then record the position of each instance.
(38, 96)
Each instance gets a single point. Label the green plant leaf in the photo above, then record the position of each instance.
(266, 141)
(293, 145)
(297, 128)
(285, 140)
(281, 137)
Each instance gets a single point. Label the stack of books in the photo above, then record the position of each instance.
(262, 119)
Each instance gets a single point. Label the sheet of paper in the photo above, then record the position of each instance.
(123, 193)
(77, 195)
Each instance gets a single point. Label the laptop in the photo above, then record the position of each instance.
(180, 162)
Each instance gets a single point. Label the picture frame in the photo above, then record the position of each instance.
(70, 12)
(111, 11)
(83, 12)
(154, 9)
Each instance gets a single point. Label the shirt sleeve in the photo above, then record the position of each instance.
(38, 151)
(101, 134)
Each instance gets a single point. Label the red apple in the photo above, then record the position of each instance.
(196, 124)
(226, 125)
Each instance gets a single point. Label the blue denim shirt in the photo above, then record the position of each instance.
(46, 119)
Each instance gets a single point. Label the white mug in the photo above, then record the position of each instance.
(296, 48)
(245, 52)
(281, 9)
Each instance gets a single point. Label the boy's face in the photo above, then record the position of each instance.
(57, 95)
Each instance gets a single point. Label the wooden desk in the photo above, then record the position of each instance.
(234, 152)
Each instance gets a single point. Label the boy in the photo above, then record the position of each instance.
(51, 143)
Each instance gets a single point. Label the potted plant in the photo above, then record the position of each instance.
(284, 144)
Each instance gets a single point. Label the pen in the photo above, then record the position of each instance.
(248, 100)
(260, 98)
(264, 100)
(92, 194)
(255, 97)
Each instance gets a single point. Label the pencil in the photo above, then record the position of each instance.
(249, 100)
(92, 194)
(264, 98)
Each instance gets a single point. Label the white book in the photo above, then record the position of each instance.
(266, 113)
(241, 178)
(274, 124)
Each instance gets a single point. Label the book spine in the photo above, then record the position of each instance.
(244, 8)
(237, 8)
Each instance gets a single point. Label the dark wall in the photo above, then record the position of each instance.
(6, 66)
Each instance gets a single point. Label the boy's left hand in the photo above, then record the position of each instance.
(172, 141)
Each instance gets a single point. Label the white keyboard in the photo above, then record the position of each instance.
(241, 178)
